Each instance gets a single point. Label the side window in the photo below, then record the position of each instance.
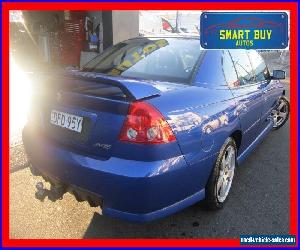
(259, 67)
(229, 70)
(210, 72)
(243, 66)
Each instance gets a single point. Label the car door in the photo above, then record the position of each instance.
(248, 95)
(269, 87)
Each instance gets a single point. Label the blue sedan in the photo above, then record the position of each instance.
(152, 125)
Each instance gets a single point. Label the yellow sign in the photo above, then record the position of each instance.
(245, 37)
(135, 56)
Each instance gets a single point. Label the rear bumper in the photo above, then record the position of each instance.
(132, 190)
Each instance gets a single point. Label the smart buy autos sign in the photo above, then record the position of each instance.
(244, 30)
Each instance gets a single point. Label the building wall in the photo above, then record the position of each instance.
(125, 25)
(117, 25)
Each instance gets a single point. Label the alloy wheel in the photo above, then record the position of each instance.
(280, 113)
(226, 174)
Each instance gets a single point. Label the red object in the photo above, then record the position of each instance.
(144, 124)
(166, 25)
(203, 242)
(72, 41)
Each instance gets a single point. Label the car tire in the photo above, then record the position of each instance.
(216, 195)
(281, 113)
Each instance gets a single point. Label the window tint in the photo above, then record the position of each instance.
(259, 67)
(243, 66)
(146, 58)
(229, 70)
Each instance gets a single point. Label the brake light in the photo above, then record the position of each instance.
(145, 124)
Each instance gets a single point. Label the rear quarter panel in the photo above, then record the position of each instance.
(201, 119)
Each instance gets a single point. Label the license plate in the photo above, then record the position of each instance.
(65, 120)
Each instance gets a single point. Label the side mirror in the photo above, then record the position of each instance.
(278, 74)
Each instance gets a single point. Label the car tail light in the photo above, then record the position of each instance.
(145, 124)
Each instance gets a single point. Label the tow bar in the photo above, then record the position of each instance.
(56, 192)
(58, 189)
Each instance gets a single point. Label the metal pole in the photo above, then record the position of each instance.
(177, 15)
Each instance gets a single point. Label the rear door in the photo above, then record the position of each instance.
(248, 94)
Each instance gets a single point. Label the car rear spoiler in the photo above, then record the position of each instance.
(133, 89)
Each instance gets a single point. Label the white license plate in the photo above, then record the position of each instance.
(65, 120)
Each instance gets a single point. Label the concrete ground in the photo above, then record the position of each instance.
(258, 204)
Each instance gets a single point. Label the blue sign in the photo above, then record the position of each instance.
(244, 30)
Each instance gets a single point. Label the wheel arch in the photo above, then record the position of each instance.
(237, 136)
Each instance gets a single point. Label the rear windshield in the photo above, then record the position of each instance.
(162, 59)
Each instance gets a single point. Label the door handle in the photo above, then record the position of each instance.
(268, 90)
(242, 108)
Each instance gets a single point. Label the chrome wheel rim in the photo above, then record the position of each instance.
(226, 174)
(279, 114)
